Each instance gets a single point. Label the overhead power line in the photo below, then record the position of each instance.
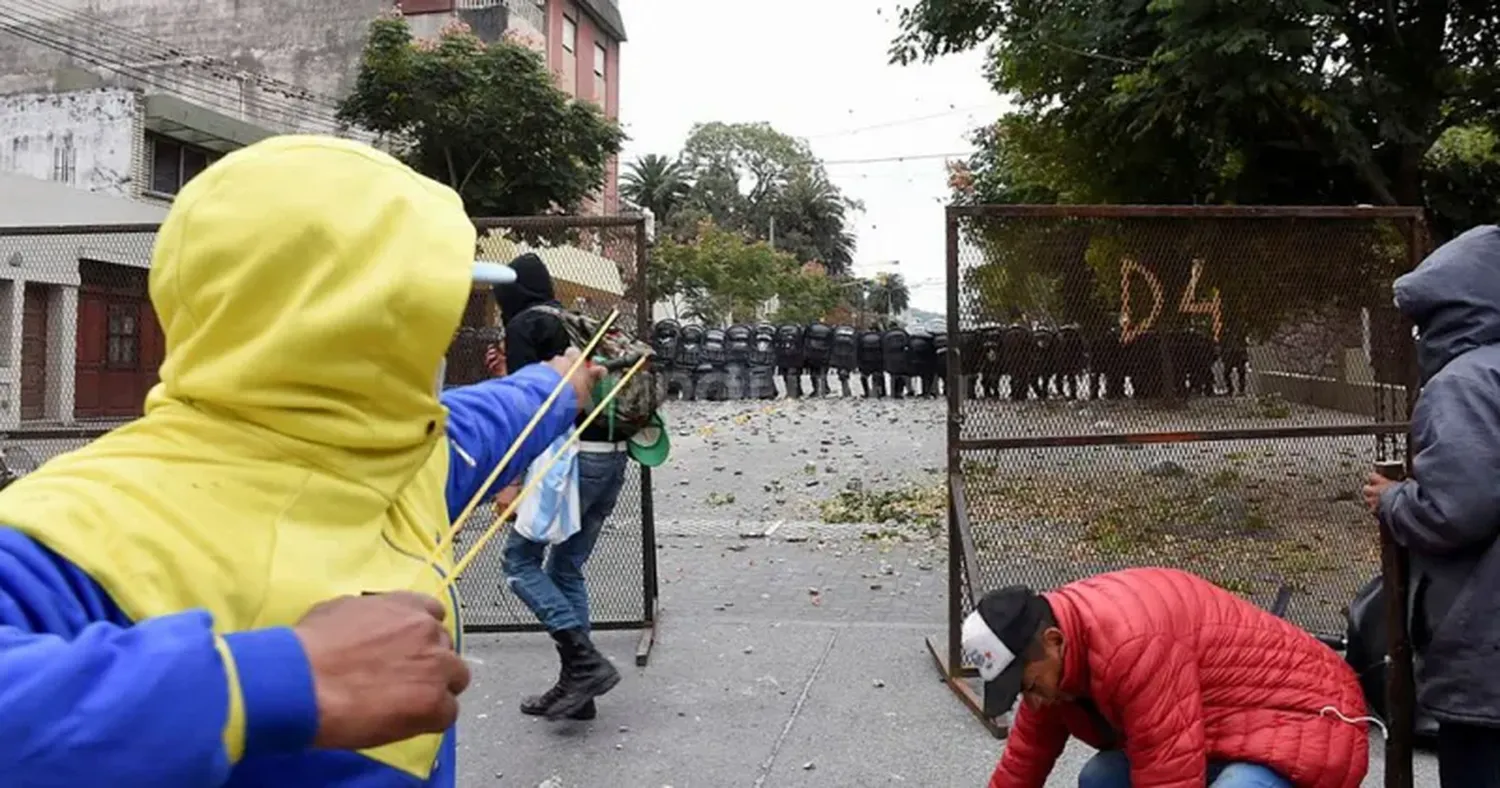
(164, 49)
(87, 45)
(899, 122)
(911, 157)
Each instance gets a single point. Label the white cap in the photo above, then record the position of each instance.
(491, 273)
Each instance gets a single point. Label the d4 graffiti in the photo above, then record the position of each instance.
(1189, 304)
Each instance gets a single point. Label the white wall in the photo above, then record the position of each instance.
(86, 139)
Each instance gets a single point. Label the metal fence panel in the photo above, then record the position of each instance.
(1170, 386)
(82, 346)
(597, 264)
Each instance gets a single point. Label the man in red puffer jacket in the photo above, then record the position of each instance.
(1178, 683)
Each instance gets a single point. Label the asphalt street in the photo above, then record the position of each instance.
(789, 651)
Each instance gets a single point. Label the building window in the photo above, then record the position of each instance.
(570, 56)
(64, 160)
(175, 163)
(600, 56)
(123, 340)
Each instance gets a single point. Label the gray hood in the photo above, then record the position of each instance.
(1454, 298)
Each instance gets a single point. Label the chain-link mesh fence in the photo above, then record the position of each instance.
(597, 265)
(79, 343)
(1195, 388)
(80, 346)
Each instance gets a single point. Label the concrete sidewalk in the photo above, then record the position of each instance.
(777, 664)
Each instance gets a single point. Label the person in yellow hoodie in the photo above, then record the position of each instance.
(188, 601)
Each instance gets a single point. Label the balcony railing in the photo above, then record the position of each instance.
(528, 10)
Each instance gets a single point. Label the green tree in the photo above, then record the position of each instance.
(811, 215)
(805, 297)
(752, 178)
(719, 276)
(1213, 101)
(888, 295)
(658, 183)
(486, 119)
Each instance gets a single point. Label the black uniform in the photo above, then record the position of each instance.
(664, 338)
(871, 364)
(970, 362)
(845, 355)
(940, 374)
(1234, 353)
(689, 354)
(711, 367)
(1044, 363)
(1147, 365)
(789, 358)
(1194, 357)
(817, 344)
(991, 364)
(921, 355)
(893, 350)
(1071, 360)
(762, 376)
(1017, 353)
(1107, 366)
(738, 340)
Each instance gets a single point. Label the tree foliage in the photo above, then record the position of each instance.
(1395, 102)
(486, 119)
(656, 183)
(753, 179)
(1216, 101)
(719, 276)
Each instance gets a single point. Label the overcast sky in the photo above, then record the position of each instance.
(814, 69)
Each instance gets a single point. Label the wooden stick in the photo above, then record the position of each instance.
(515, 446)
(494, 528)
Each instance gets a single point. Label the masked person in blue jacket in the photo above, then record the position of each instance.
(181, 600)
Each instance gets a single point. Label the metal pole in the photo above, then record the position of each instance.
(649, 587)
(1401, 683)
(955, 420)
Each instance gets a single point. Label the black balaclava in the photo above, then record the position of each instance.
(533, 286)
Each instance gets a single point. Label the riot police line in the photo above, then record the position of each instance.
(1016, 362)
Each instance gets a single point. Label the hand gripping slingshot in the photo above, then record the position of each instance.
(463, 516)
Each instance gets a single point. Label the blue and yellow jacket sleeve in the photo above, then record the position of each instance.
(485, 418)
(90, 698)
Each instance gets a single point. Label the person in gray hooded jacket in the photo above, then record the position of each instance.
(1447, 514)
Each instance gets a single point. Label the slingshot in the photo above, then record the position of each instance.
(463, 516)
(536, 478)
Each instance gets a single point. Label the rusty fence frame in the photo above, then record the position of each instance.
(947, 651)
(650, 581)
(650, 586)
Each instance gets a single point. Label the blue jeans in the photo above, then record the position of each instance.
(1110, 769)
(552, 585)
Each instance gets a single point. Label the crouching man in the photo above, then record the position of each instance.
(1175, 681)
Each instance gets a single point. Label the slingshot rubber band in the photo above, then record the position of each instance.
(500, 521)
(463, 516)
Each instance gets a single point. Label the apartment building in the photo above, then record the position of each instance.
(580, 38)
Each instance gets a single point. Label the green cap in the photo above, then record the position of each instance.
(650, 446)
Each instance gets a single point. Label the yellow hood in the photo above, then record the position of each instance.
(310, 286)
(294, 450)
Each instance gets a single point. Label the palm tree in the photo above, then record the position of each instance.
(657, 183)
(812, 219)
(889, 295)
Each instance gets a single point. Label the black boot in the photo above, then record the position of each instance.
(538, 705)
(586, 674)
